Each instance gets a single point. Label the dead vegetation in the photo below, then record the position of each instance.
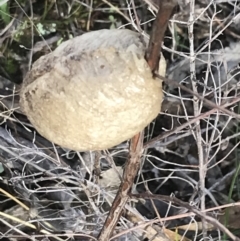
(188, 184)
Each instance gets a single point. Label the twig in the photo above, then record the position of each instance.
(28, 224)
(117, 10)
(206, 102)
(197, 110)
(14, 199)
(201, 214)
(131, 170)
(159, 27)
(179, 128)
(136, 144)
(143, 225)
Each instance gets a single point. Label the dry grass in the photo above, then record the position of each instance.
(194, 155)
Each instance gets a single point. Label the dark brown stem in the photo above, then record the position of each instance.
(136, 144)
(159, 27)
(130, 172)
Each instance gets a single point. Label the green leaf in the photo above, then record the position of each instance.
(4, 11)
(3, 2)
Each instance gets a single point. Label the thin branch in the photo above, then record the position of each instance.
(166, 134)
(201, 214)
(206, 102)
(159, 27)
(131, 170)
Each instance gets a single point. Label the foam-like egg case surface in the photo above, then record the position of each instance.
(93, 92)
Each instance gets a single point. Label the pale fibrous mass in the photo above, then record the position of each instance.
(93, 91)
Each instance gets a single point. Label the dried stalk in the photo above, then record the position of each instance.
(201, 214)
(206, 102)
(177, 129)
(131, 170)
